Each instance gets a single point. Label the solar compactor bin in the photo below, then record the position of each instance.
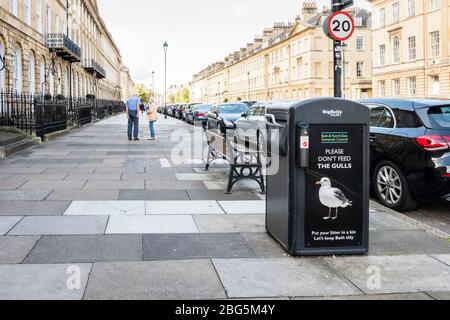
(318, 199)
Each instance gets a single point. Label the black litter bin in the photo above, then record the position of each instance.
(318, 200)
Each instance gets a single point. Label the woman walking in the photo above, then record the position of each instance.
(152, 117)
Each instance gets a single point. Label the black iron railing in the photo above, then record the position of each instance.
(41, 115)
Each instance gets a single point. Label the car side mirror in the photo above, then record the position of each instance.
(244, 115)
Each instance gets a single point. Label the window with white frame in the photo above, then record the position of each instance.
(396, 49)
(346, 70)
(382, 88)
(17, 70)
(434, 44)
(39, 15)
(396, 12)
(13, 4)
(382, 17)
(434, 4)
(382, 55)
(360, 43)
(435, 85)
(31, 74)
(412, 86)
(48, 19)
(360, 69)
(27, 11)
(396, 87)
(411, 8)
(42, 76)
(412, 48)
(56, 24)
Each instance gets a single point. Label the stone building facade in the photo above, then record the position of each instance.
(127, 84)
(410, 48)
(290, 61)
(58, 47)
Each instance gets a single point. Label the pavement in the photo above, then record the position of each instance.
(92, 216)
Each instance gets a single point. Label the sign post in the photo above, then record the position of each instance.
(340, 26)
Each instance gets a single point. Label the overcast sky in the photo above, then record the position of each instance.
(199, 32)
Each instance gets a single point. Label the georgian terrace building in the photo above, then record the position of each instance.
(410, 48)
(290, 61)
(48, 46)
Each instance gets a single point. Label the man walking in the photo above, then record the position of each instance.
(133, 117)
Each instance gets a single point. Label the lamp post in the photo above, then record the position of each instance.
(153, 83)
(165, 47)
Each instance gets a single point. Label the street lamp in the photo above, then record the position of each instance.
(153, 83)
(165, 47)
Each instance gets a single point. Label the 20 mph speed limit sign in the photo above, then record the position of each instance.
(341, 26)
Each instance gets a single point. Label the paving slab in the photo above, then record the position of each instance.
(42, 282)
(197, 176)
(24, 195)
(220, 195)
(7, 223)
(140, 169)
(38, 176)
(114, 185)
(105, 208)
(243, 207)
(377, 297)
(153, 195)
(264, 246)
(93, 176)
(13, 250)
(152, 175)
(33, 208)
(174, 185)
(182, 207)
(444, 296)
(196, 246)
(229, 223)
(399, 274)
(11, 184)
(93, 248)
(406, 242)
(444, 258)
(84, 195)
(247, 278)
(29, 226)
(151, 224)
(380, 221)
(55, 185)
(158, 280)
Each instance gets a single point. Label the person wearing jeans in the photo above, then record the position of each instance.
(152, 117)
(133, 117)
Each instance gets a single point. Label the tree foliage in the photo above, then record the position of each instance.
(143, 93)
(181, 96)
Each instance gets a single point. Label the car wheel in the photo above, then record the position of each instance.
(391, 187)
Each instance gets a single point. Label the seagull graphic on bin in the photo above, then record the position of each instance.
(332, 198)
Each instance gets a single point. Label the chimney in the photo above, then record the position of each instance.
(258, 42)
(250, 47)
(267, 35)
(309, 11)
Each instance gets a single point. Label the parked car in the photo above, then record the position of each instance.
(252, 127)
(249, 103)
(223, 116)
(169, 110)
(174, 110)
(199, 112)
(188, 110)
(180, 110)
(410, 151)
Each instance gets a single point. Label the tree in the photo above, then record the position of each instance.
(239, 99)
(225, 100)
(143, 93)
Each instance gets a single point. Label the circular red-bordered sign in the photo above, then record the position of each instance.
(341, 26)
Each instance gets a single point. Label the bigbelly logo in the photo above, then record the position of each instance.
(333, 113)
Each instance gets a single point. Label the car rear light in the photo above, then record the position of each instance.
(446, 175)
(434, 142)
(200, 115)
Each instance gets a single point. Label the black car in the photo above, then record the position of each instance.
(188, 110)
(199, 112)
(410, 151)
(180, 111)
(174, 110)
(223, 116)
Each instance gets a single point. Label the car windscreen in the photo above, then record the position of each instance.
(233, 109)
(439, 117)
(202, 108)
